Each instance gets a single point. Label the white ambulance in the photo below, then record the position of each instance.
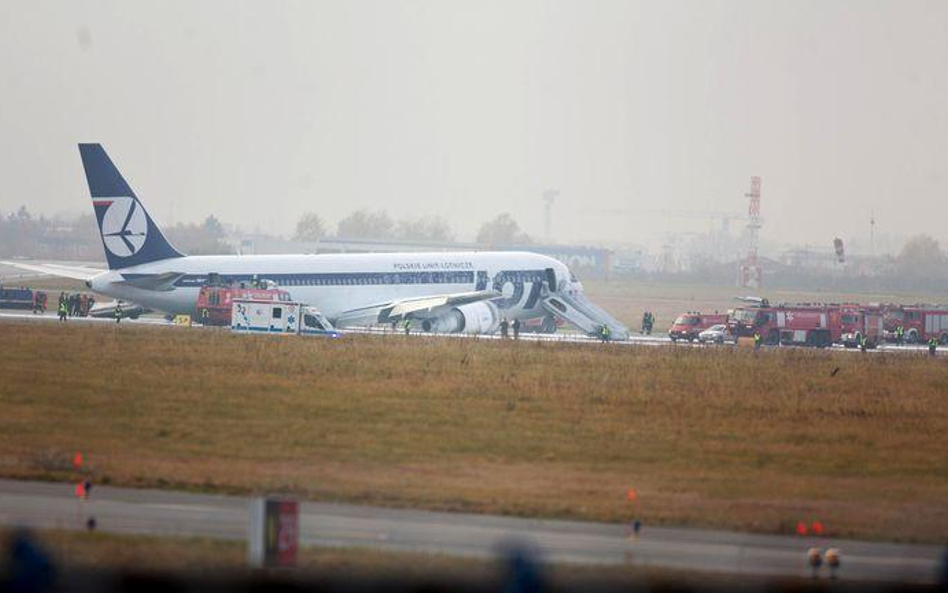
(278, 317)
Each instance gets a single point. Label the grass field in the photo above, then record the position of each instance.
(708, 437)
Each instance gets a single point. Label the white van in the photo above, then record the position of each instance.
(278, 317)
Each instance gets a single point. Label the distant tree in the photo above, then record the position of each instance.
(426, 228)
(503, 230)
(207, 238)
(363, 224)
(921, 257)
(310, 228)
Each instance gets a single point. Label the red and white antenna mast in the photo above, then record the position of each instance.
(750, 268)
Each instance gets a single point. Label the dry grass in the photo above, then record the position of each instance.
(709, 437)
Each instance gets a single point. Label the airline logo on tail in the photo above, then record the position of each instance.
(124, 226)
(129, 235)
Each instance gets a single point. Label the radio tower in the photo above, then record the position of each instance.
(750, 269)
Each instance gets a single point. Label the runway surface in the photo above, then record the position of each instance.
(167, 513)
(562, 336)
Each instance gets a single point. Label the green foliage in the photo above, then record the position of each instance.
(503, 230)
(310, 228)
(363, 224)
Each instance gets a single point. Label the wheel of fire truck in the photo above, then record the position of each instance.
(773, 338)
(911, 336)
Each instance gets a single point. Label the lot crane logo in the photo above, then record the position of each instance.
(124, 227)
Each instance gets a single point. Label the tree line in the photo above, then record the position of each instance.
(379, 225)
(23, 234)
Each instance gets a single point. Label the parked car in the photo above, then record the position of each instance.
(716, 334)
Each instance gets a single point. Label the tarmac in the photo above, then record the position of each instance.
(561, 336)
(43, 505)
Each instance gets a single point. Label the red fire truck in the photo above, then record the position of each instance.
(689, 325)
(214, 301)
(857, 322)
(798, 324)
(920, 323)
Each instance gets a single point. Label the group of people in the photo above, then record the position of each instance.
(74, 305)
(506, 326)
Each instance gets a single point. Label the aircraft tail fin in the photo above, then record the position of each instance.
(129, 234)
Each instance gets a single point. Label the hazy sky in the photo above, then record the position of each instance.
(257, 111)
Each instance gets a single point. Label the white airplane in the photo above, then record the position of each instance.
(467, 292)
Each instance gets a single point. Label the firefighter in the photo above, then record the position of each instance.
(516, 328)
(900, 334)
(118, 311)
(932, 345)
(757, 340)
(407, 326)
(862, 343)
(503, 328)
(63, 310)
(604, 333)
(205, 316)
(647, 321)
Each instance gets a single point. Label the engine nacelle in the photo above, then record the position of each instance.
(476, 318)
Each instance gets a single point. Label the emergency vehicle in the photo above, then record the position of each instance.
(857, 323)
(689, 325)
(800, 324)
(278, 317)
(541, 325)
(214, 303)
(22, 298)
(920, 323)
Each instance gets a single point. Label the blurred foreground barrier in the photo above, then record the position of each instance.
(273, 538)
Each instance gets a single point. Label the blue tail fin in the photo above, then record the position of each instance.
(129, 235)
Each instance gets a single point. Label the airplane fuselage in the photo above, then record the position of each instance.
(336, 283)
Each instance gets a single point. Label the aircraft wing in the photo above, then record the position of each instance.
(156, 282)
(402, 308)
(72, 272)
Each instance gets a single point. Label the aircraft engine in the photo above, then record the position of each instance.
(476, 318)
